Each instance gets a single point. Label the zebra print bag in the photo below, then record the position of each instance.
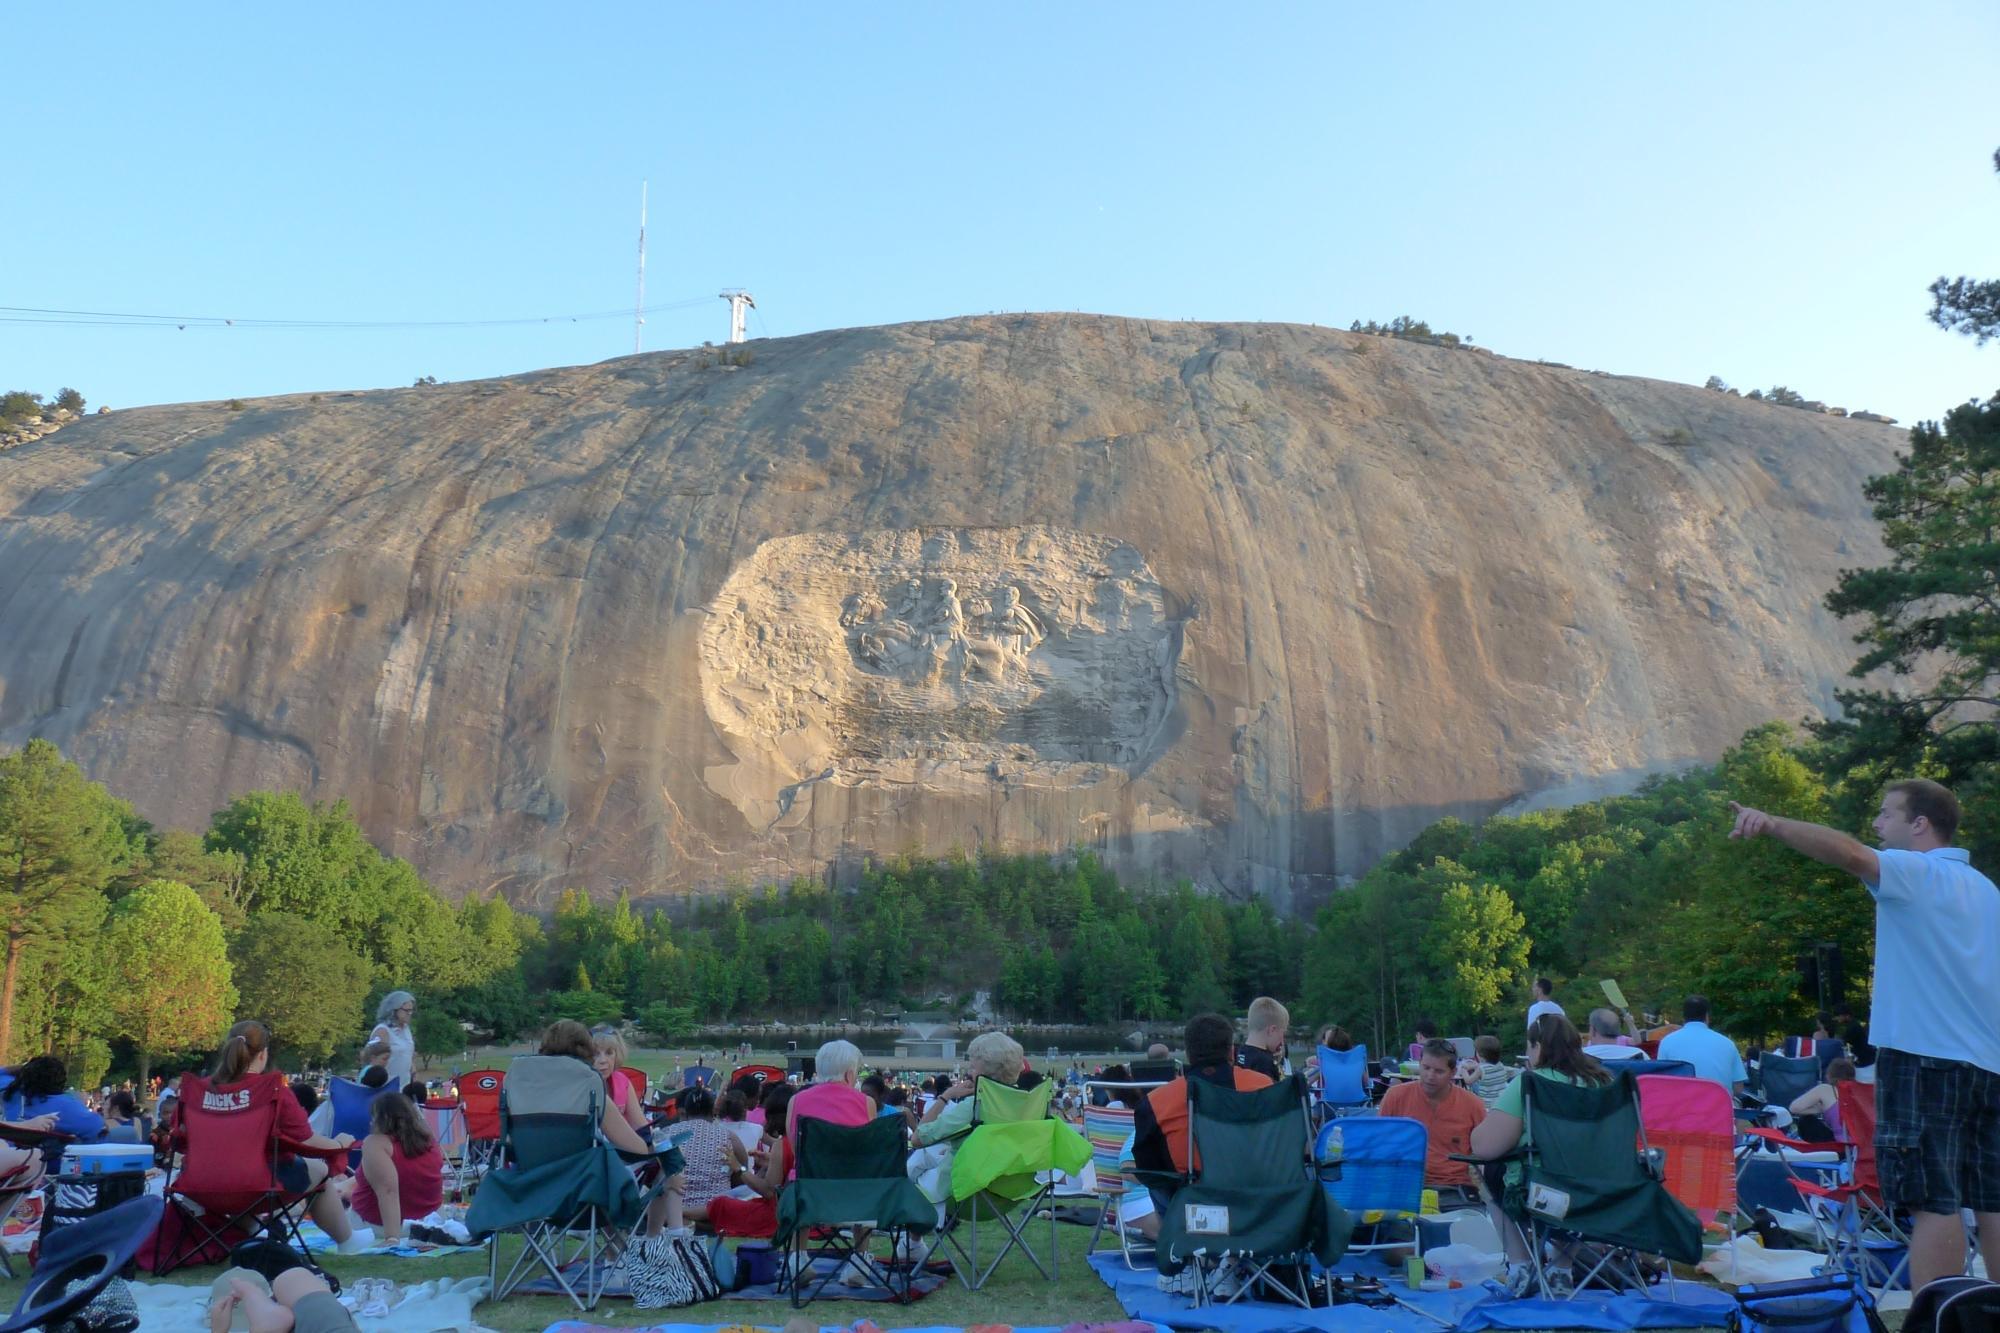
(667, 1271)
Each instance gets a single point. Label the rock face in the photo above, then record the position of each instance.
(1247, 603)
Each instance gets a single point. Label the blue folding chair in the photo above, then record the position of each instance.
(1343, 1081)
(78, 1261)
(697, 1076)
(1373, 1166)
(1634, 1068)
(350, 1102)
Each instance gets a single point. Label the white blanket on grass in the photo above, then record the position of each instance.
(443, 1306)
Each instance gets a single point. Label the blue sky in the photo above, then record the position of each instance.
(1757, 191)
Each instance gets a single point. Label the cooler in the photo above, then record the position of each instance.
(102, 1159)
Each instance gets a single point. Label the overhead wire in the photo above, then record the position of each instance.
(131, 320)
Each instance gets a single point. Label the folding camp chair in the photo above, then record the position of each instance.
(1252, 1203)
(351, 1102)
(849, 1176)
(479, 1096)
(1108, 1129)
(1463, 1045)
(1691, 1122)
(697, 1076)
(1636, 1068)
(445, 1117)
(1588, 1176)
(1343, 1082)
(1826, 1050)
(1857, 1228)
(762, 1073)
(27, 1179)
(1782, 1080)
(568, 1192)
(228, 1182)
(637, 1078)
(1373, 1166)
(1005, 1166)
(78, 1262)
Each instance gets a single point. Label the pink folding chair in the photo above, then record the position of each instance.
(1693, 1122)
(447, 1123)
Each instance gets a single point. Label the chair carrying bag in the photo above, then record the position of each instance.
(1955, 1305)
(1835, 1303)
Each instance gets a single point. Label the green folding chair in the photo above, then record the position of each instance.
(1590, 1185)
(849, 1176)
(1004, 1168)
(1253, 1217)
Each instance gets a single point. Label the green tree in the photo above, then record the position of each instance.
(62, 841)
(1932, 616)
(69, 400)
(301, 978)
(1968, 305)
(217, 877)
(1478, 947)
(436, 1032)
(311, 860)
(588, 1007)
(171, 988)
(668, 1023)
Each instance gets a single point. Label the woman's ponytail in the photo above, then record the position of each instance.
(239, 1048)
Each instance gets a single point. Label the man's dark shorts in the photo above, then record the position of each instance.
(1937, 1133)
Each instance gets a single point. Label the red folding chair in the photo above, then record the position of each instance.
(637, 1078)
(1857, 1227)
(479, 1095)
(762, 1073)
(228, 1183)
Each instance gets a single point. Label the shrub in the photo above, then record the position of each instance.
(234, 405)
(1679, 437)
(69, 400)
(588, 1007)
(18, 405)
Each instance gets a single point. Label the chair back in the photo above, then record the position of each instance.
(479, 1091)
(1263, 1135)
(1642, 1068)
(1343, 1076)
(1826, 1050)
(551, 1108)
(697, 1076)
(875, 1150)
(1156, 1072)
(228, 1140)
(350, 1101)
(1464, 1047)
(764, 1074)
(996, 1103)
(1381, 1160)
(1692, 1121)
(1785, 1079)
(637, 1078)
(447, 1125)
(1585, 1143)
(1107, 1128)
(1857, 1119)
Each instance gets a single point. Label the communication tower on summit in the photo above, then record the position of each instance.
(739, 302)
(639, 309)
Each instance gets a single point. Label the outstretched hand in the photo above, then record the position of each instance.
(1751, 823)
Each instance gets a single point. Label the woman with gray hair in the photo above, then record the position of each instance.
(993, 1055)
(392, 1028)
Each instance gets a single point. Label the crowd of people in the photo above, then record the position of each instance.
(723, 1155)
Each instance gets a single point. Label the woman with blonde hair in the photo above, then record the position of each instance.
(608, 1055)
(568, 1037)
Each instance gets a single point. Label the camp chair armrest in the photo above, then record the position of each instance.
(1513, 1155)
(33, 1138)
(1784, 1140)
(629, 1157)
(331, 1156)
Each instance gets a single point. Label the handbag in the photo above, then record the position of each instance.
(668, 1271)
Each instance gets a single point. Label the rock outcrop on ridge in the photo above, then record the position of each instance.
(1251, 603)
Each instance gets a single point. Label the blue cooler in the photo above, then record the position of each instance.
(93, 1178)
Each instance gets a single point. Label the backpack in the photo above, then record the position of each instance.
(1955, 1305)
(1834, 1303)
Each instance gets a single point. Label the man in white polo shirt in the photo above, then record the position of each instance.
(1936, 1015)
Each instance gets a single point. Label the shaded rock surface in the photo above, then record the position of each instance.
(1252, 603)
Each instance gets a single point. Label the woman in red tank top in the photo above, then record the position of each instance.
(402, 1168)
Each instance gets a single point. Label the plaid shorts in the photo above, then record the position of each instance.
(1937, 1133)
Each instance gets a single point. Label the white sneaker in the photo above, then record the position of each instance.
(360, 1242)
(852, 1274)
